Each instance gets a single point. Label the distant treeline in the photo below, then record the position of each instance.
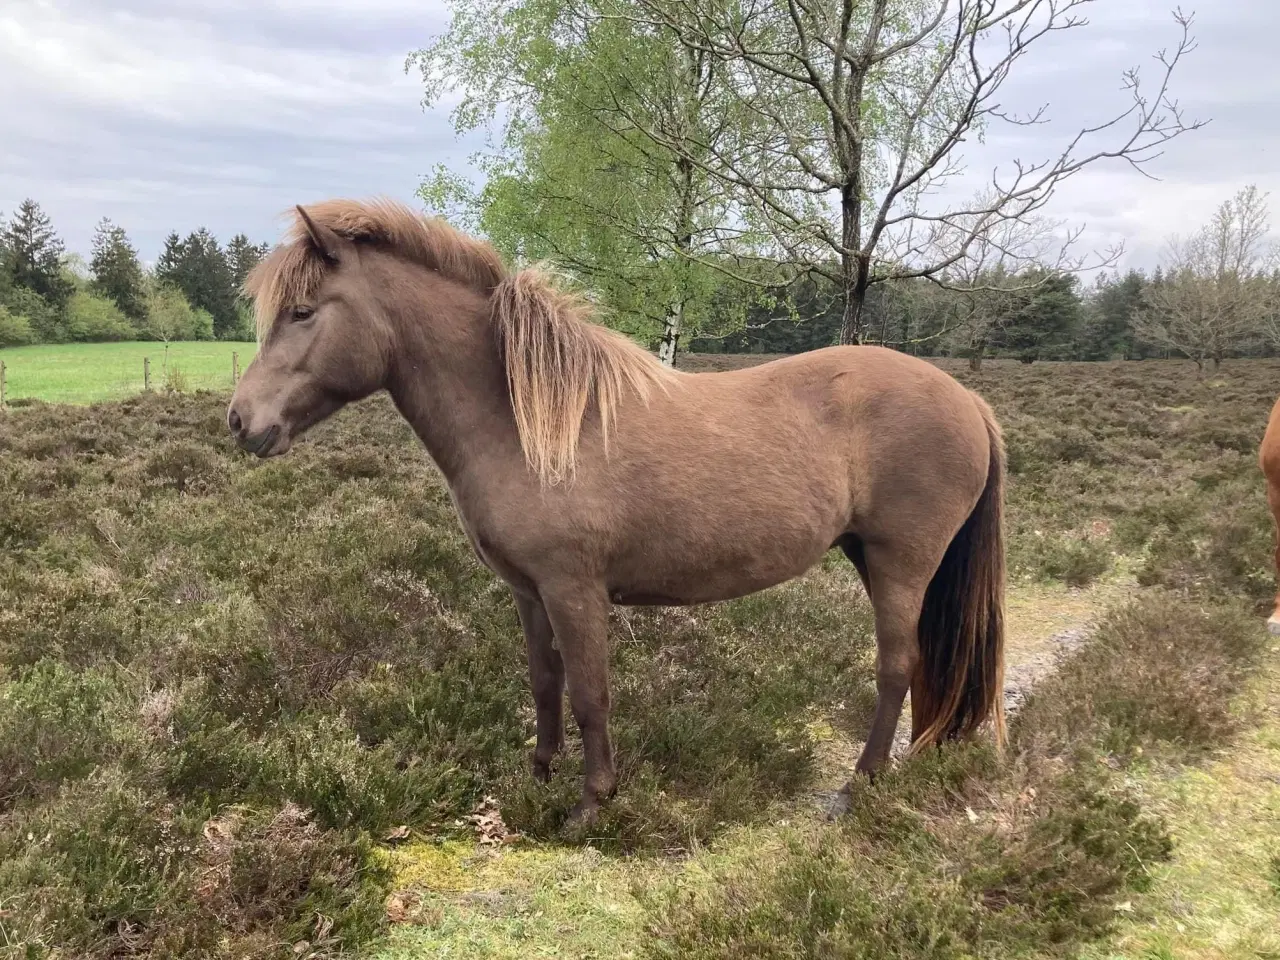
(1054, 317)
(1218, 297)
(50, 296)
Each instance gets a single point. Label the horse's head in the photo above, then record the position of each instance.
(323, 340)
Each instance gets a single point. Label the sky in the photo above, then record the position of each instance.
(174, 114)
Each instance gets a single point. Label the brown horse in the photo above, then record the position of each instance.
(1269, 457)
(586, 474)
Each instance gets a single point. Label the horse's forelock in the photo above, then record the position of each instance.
(294, 270)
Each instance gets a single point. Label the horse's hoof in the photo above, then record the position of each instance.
(583, 815)
(1273, 626)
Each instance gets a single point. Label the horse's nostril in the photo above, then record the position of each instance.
(233, 421)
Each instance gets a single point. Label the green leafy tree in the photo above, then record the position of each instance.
(572, 176)
(198, 267)
(802, 315)
(865, 107)
(47, 324)
(170, 317)
(117, 272)
(33, 255)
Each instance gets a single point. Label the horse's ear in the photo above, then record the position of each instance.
(326, 241)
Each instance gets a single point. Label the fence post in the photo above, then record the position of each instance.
(235, 368)
(146, 373)
(166, 359)
(2, 384)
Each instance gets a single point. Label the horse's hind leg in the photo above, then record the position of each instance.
(546, 676)
(897, 600)
(854, 550)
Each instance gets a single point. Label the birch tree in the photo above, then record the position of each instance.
(600, 141)
(863, 107)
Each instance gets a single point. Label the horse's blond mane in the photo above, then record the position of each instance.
(557, 361)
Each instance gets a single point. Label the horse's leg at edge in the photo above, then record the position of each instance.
(579, 616)
(1273, 500)
(546, 676)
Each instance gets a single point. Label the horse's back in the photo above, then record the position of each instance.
(816, 438)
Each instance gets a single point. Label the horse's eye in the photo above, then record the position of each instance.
(303, 313)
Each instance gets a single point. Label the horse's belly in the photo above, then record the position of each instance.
(656, 579)
(645, 599)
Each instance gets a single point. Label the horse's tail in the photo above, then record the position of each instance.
(960, 681)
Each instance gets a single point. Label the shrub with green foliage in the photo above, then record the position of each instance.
(109, 865)
(15, 329)
(956, 854)
(1162, 671)
(46, 323)
(92, 318)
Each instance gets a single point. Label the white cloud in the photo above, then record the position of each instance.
(171, 114)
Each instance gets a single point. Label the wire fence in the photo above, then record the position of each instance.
(88, 373)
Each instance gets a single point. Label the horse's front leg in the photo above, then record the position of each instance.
(579, 617)
(546, 676)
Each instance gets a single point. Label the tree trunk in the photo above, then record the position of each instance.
(857, 277)
(672, 323)
(975, 363)
(670, 336)
(850, 144)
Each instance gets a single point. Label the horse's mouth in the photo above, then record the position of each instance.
(266, 444)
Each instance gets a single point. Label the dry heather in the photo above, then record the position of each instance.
(224, 682)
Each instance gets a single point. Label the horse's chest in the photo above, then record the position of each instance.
(490, 552)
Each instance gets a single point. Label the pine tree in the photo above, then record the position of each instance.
(1044, 317)
(171, 257)
(33, 256)
(6, 281)
(242, 256)
(198, 267)
(1117, 300)
(117, 274)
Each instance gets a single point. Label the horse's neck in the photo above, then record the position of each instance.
(448, 382)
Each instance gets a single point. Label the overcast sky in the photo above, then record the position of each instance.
(174, 114)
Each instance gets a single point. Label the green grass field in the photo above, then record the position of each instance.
(89, 372)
